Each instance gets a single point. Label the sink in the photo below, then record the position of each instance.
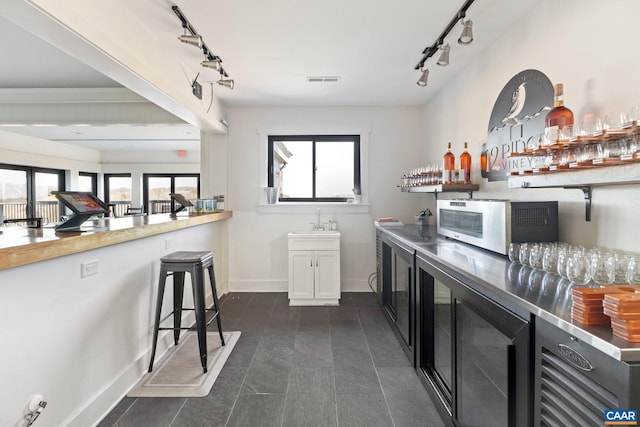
(309, 233)
(310, 240)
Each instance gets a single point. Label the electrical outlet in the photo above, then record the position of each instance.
(89, 268)
(168, 243)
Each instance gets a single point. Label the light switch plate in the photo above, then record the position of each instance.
(89, 268)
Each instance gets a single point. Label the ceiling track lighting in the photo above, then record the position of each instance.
(443, 59)
(465, 38)
(194, 40)
(226, 83)
(422, 81)
(192, 37)
(212, 63)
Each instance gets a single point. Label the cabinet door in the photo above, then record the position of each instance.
(301, 272)
(328, 274)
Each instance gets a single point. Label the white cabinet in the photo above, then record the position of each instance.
(314, 268)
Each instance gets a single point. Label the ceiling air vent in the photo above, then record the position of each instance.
(323, 79)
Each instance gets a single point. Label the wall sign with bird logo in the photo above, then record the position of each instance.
(517, 123)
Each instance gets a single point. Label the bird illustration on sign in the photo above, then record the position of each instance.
(518, 99)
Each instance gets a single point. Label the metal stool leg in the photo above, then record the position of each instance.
(161, 283)
(178, 293)
(197, 283)
(216, 306)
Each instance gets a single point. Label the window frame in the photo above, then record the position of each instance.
(30, 209)
(94, 180)
(172, 177)
(107, 189)
(357, 176)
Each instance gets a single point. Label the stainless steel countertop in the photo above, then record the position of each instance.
(514, 286)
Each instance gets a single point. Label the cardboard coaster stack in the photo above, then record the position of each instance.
(587, 305)
(624, 310)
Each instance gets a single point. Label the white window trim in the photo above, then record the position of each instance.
(306, 207)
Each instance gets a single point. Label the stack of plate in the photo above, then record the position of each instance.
(624, 310)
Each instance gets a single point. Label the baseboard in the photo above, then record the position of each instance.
(354, 285)
(347, 285)
(258, 285)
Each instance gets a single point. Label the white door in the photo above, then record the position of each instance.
(301, 272)
(328, 274)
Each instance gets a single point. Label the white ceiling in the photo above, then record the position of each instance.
(268, 48)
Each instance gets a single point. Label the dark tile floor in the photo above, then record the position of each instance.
(299, 367)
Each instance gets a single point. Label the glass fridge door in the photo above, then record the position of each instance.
(402, 295)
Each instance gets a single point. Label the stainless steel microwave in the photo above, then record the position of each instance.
(493, 224)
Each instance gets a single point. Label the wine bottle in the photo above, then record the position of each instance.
(484, 172)
(465, 166)
(448, 166)
(559, 116)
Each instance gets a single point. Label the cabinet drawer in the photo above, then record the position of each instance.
(314, 243)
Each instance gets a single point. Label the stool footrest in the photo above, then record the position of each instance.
(217, 313)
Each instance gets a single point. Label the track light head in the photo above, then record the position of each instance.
(194, 40)
(422, 81)
(466, 37)
(226, 83)
(443, 59)
(212, 63)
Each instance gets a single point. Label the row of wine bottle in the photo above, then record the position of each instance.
(556, 120)
(449, 166)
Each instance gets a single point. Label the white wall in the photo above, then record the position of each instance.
(258, 242)
(589, 47)
(28, 151)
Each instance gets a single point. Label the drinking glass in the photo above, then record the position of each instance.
(514, 252)
(550, 259)
(523, 256)
(604, 267)
(568, 156)
(614, 148)
(621, 265)
(579, 268)
(614, 120)
(563, 256)
(566, 133)
(535, 256)
(633, 271)
(590, 126)
(633, 114)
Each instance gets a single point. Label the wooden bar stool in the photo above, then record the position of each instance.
(177, 264)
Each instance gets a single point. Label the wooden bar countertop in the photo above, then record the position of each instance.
(20, 246)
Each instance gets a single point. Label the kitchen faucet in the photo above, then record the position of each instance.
(317, 226)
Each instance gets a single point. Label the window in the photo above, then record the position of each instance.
(117, 192)
(88, 181)
(25, 192)
(157, 187)
(314, 168)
